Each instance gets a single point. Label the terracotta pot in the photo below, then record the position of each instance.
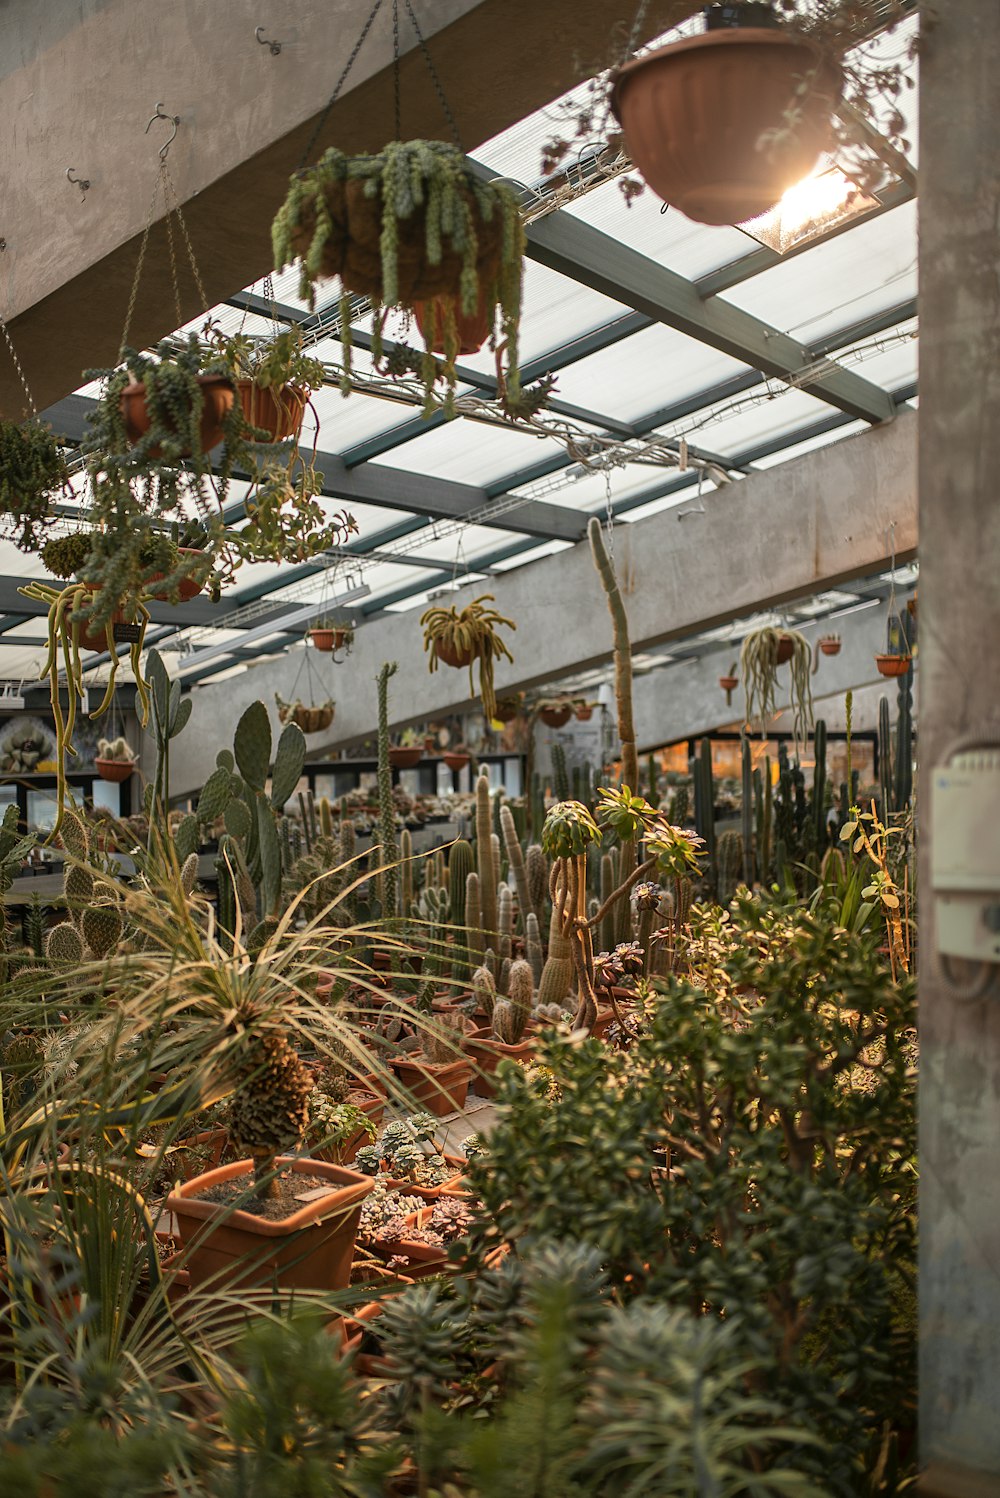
(555, 717)
(729, 683)
(583, 714)
(452, 657)
(115, 770)
(456, 761)
(830, 647)
(280, 413)
(695, 115)
(310, 1250)
(370, 1103)
(94, 637)
(421, 1259)
(217, 395)
(451, 1187)
(187, 587)
(785, 649)
(605, 1017)
(893, 665)
(405, 759)
(328, 639)
(473, 330)
(506, 712)
(439, 1089)
(192, 1156)
(487, 1052)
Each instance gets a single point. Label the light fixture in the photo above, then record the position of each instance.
(809, 210)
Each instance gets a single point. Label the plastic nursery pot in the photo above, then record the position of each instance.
(555, 717)
(451, 656)
(279, 413)
(405, 759)
(785, 649)
(311, 1249)
(829, 646)
(704, 118)
(487, 1052)
(473, 330)
(892, 665)
(439, 1089)
(115, 770)
(456, 761)
(217, 397)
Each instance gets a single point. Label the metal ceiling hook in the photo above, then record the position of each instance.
(175, 119)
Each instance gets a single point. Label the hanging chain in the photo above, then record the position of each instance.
(314, 137)
(609, 513)
(138, 269)
(173, 272)
(18, 366)
(179, 212)
(439, 90)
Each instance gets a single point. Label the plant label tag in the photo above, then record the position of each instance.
(315, 1194)
(126, 634)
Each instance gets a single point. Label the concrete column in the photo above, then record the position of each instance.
(959, 458)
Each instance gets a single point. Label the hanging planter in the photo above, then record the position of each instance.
(729, 684)
(721, 124)
(114, 760)
(460, 639)
(276, 414)
(762, 652)
(405, 757)
(830, 644)
(785, 648)
(332, 638)
(893, 665)
(311, 719)
(455, 760)
(405, 227)
(216, 401)
(555, 714)
(506, 709)
(583, 711)
(471, 330)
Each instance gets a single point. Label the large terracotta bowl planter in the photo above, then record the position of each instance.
(487, 1052)
(439, 1089)
(279, 413)
(114, 770)
(555, 717)
(311, 1249)
(455, 761)
(696, 117)
(217, 397)
(405, 759)
(473, 329)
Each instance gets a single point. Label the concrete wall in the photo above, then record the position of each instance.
(959, 423)
(807, 524)
(81, 79)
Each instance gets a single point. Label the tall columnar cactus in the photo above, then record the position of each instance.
(484, 991)
(474, 939)
(406, 873)
(533, 946)
(904, 743)
(606, 936)
(704, 800)
(885, 777)
(511, 1015)
(537, 866)
(623, 652)
(515, 861)
(746, 810)
(168, 715)
(559, 775)
(652, 777)
(730, 865)
(386, 810)
(536, 803)
(819, 786)
(459, 869)
(485, 863)
(505, 922)
(680, 806)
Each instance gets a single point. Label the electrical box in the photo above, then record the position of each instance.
(965, 855)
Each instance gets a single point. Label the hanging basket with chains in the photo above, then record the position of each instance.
(311, 717)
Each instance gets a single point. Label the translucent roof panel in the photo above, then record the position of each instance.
(470, 452)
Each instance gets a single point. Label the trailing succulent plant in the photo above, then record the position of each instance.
(462, 638)
(32, 470)
(269, 1110)
(410, 227)
(759, 671)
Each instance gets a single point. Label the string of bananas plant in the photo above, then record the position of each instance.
(462, 638)
(68, 623)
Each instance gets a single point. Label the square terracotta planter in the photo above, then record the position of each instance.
(487, 1053)
(311, 1249)
(439, 1089)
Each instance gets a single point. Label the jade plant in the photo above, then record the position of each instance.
(410, 227)
(460, 638)
(32, 471)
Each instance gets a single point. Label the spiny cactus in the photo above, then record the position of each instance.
(473, 936)
(386, 807)
(503, 977)
(189, 874)
(505, 921)
(485, 864)
(515, 860)
(73, 835)
(607, 933)
(443, 1045)
(406, 873)
(533, 947)
(559, 775)
(459, 869)
(64, 945)
(511, 1015)
(102, 929)
(623, 650)
(537, 866)
(729, 859)
(484, 991)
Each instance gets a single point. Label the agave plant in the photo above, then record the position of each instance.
(462, 638)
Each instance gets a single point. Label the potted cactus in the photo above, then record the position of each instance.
(411, 227)
(504, 1037)
(114, 760)
(271, 1217)
(462, 638)
(438, 1076)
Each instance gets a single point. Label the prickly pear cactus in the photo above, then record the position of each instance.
(64, 945)
(102, 929)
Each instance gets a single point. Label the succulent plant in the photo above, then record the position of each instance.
(511, 1015)
(269, 1110)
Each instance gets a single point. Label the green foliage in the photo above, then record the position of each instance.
(31, 469)
(569, 830)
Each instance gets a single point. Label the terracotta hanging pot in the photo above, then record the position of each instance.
(473, 330)
(328, 640)
(405, 759)
(279, 413)
(830, 644)
(698, 117)
(729, 683)
(583, 713)
(451, 656)
(555, 717)
(507, 709)
(455, 761)
(893, 665)
(785, 649)
(217, 395)
(114, 770)
(93, 636)
(186, 588)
